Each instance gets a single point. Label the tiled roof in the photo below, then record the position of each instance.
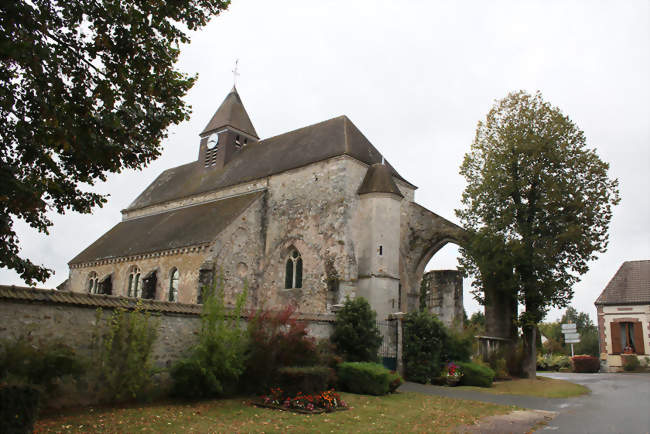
(630, 285)
(378, 179)
(53, 296)
(298, 148)
(190, 226)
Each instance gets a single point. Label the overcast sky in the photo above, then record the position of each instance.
(415, 77)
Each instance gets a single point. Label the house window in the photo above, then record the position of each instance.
(627, 338)
(135, 284)
(93, 283)
(173, 285)
(293, 276)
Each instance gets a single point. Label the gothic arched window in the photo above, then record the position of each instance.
(93, 283)
(293, 276)
(173, 285)
(135, 284)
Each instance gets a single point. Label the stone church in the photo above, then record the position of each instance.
(307, 217)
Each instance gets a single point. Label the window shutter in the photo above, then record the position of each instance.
(638, 338)
(615, 333)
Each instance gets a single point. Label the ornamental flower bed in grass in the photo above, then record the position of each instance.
(322, 402)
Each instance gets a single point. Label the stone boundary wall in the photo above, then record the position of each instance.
(52, 315)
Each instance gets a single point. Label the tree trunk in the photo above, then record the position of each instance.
(529, 360)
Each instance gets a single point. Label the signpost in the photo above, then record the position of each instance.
(571, 335)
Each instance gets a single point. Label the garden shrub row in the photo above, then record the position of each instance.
(585, 364)
(476, 375)
(553, 362)
(367, 378)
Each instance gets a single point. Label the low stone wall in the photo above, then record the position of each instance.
(51, 315)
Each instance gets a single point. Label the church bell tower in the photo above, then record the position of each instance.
(228, 132)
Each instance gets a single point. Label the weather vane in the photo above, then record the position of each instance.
(235, 73)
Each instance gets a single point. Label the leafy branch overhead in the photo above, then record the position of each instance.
(86, 89)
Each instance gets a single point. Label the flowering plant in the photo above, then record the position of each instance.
(453, 371)
(328, 400)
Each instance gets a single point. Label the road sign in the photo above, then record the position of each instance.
(572, 341)
(571, 328)
(571, 336)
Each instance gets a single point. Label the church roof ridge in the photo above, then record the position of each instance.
(231, 113)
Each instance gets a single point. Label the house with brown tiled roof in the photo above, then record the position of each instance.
(624, 315)
(306, 217)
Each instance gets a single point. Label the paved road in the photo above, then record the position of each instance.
(618, 403)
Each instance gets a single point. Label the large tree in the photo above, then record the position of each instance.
(542, 198)
(86, 88)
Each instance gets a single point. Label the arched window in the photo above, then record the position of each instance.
(173, 285)
(293, 276)
(93, 283)
(135, 284)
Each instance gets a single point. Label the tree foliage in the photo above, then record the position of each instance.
(538, 203)
(86, 89)
(356, 335)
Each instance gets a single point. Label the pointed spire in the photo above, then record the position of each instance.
(378, 179)
(231, 113)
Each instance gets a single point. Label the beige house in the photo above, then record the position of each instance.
(624, 315)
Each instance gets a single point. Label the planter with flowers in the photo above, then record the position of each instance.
(453, 374)
(323, 402)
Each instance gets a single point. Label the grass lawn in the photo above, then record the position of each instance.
(542, 387)
(393, 413)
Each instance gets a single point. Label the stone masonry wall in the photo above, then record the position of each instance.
(444, 295)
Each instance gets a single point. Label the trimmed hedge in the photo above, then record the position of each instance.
(585, 364)
(367, 378)
(18, 408)
(306, 379)
(476, 375)
(630, 362)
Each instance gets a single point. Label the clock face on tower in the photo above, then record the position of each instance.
(213, 140)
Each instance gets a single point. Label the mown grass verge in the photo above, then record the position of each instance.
(542, 387)
(391, 413)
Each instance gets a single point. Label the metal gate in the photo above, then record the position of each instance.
(388, 348)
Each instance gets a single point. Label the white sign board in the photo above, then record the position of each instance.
(571, 337)
(571, 328)
(572, 341)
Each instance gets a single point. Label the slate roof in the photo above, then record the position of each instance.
(173, 229)
(630, 285)
(52, 296)
(231, 113)
(378, 179)
(331, 138)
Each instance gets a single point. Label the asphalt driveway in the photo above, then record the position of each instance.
(618, 403)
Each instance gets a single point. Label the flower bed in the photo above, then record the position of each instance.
(323, 402)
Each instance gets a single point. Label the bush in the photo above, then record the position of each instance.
(218, 359)
(395, 381)
(277, 340)
(305, 379)
(18, 408)
(630, 362)
(424, 342)
(458, 345)
(585, 364)
(356, 335)
(37, 364)
(553, 362)
(366, 378)
(476, 375)
(122, 347)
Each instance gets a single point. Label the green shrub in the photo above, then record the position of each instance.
(18, 408)
(122, 347)
(218, 359)
(585, 363)
(277, 340)
(306, 379)
(395, 381)
(458, 344)
(39, 364)
(356, 335)
(553, 362)
(424, 341)
(365, 378)
(476, 375)
(630, 362)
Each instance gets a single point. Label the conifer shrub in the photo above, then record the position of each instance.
(19, 406)
(424, 346)
(356, 335)
(476, 375)
(277, 340)
(217, 361)
(367, 378)
(121, 354)
(304, 379)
